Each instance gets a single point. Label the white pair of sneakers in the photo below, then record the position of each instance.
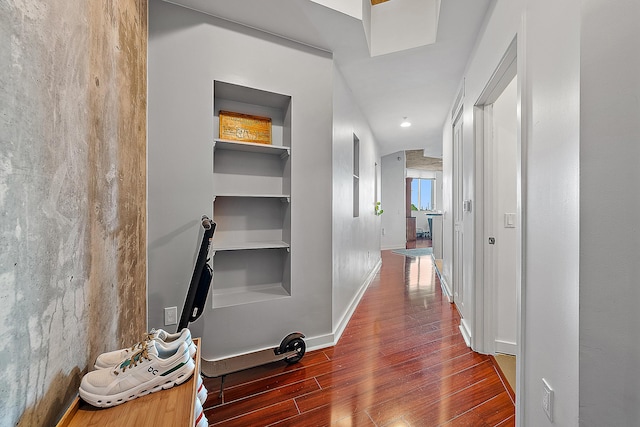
(159, 362)
(200, 420)
(201, 391)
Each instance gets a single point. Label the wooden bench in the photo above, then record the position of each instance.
(171, 408)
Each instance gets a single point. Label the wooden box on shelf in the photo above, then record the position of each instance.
(166, 408)
(245, 127)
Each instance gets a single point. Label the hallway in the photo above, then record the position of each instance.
(400, 362)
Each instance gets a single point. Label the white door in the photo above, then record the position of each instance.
(458, 212)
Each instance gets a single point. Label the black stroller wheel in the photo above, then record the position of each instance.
(297, 345)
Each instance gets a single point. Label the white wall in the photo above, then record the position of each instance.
(421, 219)
(609, 206)
(393, 201)
(348, 7)
(400, 25)
(551, 63)
(548, 65)
(187, 52)
(356, 241)
(439, 191)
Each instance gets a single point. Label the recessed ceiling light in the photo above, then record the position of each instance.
(406, 123)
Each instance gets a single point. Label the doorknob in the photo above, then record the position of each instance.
(492, 240)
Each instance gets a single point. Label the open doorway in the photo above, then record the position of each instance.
(423, 201)
(501, 226)
(459, 208)
(502, 219)
(498, 297)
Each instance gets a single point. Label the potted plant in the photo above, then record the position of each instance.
(378, 210)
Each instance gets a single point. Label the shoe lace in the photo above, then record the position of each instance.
(148, 336)
(133, 360)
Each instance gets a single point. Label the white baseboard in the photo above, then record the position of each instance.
(319, 342)
(444, 284)
(328, 340)
(466, 334)
(342, 324)
(446, 292)
(506, 347)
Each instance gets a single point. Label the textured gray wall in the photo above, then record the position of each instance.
(72, 195)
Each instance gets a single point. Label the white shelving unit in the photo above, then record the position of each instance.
(252, 202)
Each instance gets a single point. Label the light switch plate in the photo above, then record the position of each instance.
(509, 220)
(170, 316)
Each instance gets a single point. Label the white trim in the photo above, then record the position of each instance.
(505, 347)
(446, 291)
(500, 78)
(514, 61)
(489, 259)
(464, 329)
(524, 98)
(337, 333)
(457, 200)
(485, 269)
(478, 297)
(329, 340)
(459, 102)
(319, 342)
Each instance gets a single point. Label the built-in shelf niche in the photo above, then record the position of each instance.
(251, 276)
(246, 100)
(251, 195)
(250, 221)
(250, 172)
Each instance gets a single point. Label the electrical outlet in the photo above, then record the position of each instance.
(547, 399)
(170, 316)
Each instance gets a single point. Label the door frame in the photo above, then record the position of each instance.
(511, 65)
(457, 205)
(486, 259)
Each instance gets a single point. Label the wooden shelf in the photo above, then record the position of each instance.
(224, 144)
(166, 408)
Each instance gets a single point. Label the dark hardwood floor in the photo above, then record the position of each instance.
(401, 361)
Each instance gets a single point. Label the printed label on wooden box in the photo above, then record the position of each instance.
(245, 127)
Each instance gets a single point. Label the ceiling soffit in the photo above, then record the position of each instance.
(400, 25)
(417, 160)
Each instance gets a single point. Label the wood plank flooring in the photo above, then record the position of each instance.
(401, 361)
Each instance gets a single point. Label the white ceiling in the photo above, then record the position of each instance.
(418, 83)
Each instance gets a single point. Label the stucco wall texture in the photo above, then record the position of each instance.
(72, 195)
